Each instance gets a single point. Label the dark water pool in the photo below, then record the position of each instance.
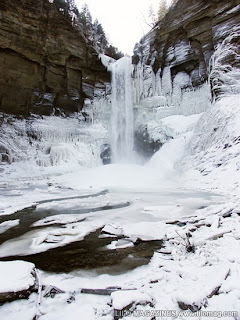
(88, 254)
(91, 254)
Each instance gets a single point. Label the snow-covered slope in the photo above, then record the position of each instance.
(213, 153)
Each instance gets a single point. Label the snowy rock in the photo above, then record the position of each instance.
(106, 153)
(51, 291)
(146, 145)
(5, 154)
(18, 280)
(195, 293)
(129, 299)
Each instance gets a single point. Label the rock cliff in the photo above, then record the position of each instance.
(46, 67)
(174, 57)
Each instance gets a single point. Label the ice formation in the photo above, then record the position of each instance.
(53, 141)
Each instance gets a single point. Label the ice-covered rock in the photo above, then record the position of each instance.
(17, 280)
(126, 299)
(173, 61)
(209, 283)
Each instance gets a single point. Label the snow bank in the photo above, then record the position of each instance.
(172, 126)
(212, 155)
(176, 125)
(194, 292)
(211, 159)
(168, 155)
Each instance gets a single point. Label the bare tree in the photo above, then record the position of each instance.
(152, 16)
(162, 10)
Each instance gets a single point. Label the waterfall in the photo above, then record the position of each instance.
(122, 111)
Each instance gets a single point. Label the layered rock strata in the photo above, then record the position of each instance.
(174, 57)
(46, 67)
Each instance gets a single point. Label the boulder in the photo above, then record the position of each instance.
(18, 280)
(106, 153)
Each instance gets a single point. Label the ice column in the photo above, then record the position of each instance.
(122, 111)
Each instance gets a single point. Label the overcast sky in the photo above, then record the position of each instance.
(122, 20)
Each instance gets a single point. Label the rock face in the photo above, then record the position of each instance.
(175, 55)
(173, 61)
(144, 145)
(45, 64)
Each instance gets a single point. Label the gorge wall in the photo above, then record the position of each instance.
(46, 67)
(173, 58)
(172, 64)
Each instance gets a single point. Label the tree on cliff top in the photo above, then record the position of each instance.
(162, 10)
(153, 16)
(85, 21)
(93, 31)
(67, 7)
(99, 37)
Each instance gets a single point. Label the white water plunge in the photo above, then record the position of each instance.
(122, 111)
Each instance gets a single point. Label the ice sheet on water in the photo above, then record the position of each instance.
(120, 244)
(4, 226)
(112, 229)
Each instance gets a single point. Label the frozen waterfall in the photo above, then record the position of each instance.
(122, 111)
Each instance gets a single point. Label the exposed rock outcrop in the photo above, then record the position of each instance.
(172, 62)
(144, 145)
(177, 52)
(45, 63)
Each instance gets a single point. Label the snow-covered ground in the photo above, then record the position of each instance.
(205, 277)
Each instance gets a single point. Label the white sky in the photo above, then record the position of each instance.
(122, 20)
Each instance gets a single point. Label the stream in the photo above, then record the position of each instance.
(65, 234)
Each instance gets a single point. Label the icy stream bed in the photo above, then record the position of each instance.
(118, 228)
(127, 218)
